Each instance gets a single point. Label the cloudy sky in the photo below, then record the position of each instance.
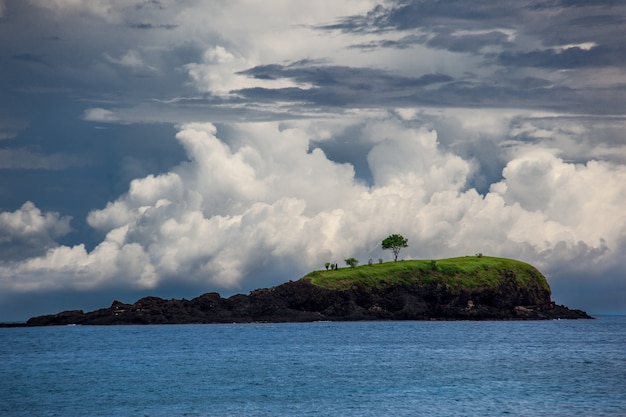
(176, 147)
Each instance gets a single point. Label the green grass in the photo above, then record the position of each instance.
(469, 272)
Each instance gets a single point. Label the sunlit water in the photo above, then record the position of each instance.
(539, 368)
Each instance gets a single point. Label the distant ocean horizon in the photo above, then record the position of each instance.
(413, 368)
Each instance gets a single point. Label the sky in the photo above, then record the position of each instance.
(177, 147)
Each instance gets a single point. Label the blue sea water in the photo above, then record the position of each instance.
(537, 368)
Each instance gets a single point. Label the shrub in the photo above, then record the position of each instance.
(352, 262)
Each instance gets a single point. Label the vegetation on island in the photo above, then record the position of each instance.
(352, 262)
(457, 274)
(394, 243)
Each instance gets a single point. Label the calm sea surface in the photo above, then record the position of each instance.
(540, 368)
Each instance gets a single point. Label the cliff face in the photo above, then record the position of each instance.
(302, 301)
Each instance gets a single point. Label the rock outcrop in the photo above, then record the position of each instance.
(302, 301)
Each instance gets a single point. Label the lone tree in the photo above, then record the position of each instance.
(395, 243)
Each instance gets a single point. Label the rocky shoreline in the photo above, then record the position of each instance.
(301, 301)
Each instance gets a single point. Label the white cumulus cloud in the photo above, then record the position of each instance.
(27, 231)
(265, 206)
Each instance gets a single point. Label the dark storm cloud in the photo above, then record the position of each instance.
(468, 43)
(350, 77)
(573, 57)
(153, 26)
(368, 87)
(87, 56)
(453, 42)
(555, 23)
(404, 15)
(440, 15)
(149, 4)
(337, 85)
(513, 42)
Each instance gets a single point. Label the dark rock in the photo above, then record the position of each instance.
(64, 317)
(301, 301)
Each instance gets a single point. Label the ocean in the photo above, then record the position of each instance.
(412, 368)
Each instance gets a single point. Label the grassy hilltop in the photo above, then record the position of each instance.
(457, 274)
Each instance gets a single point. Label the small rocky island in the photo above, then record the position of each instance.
(466, 288)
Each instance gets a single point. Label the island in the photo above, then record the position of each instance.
(465, 288)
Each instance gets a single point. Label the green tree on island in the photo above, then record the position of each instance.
(395, 243)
